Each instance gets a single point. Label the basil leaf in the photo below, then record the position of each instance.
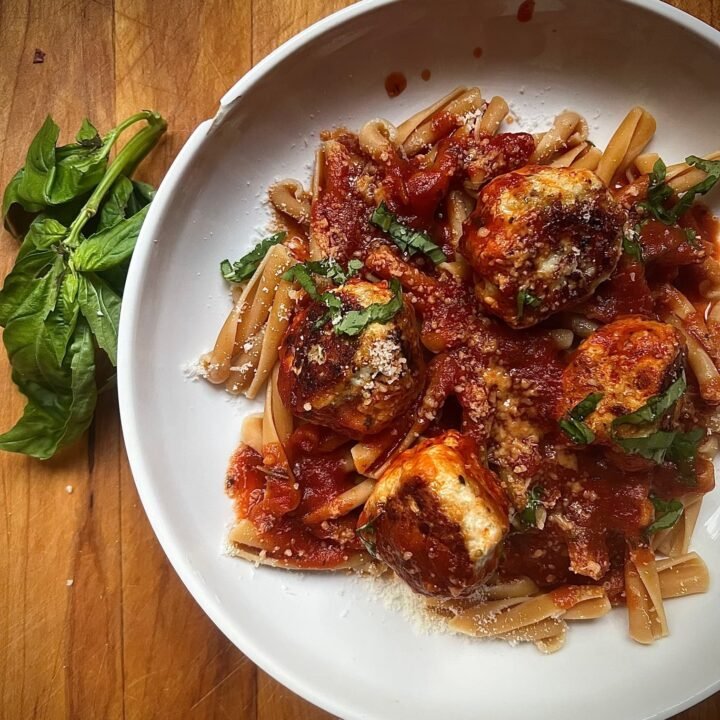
(525, 298)
(301, 275)
(142, 195)
(667, 513)
(408, 240)
(683, 452)
(243, 268)
(39, 168)
(655, 407)
(329, 268)
(113, 209)
(631, 244)
(60, 323)
(355, 321)
(100, 306)
(54, 418)
(30, 340)
(528, 515)
(712, 168)
(111, 246)
(679, 448)
(572, 423)
(88, 136)
(334, 310)
(29, 270)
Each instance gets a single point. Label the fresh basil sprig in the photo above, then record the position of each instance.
(572, 423)
(667, 513)
(80, 217)
(525, 299)
(408, 240)
(659, 192)
(246, 266)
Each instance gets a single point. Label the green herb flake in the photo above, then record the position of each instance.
(528, 515)
(408, 240)
(691, 237)
(655, 407)
(301, 275)
(572, 423)
(667, 513)
(366, 533)
(526, 299)
(631, 244)
(244, 268)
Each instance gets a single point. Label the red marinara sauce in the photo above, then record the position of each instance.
(276, 506)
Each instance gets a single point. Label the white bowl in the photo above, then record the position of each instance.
(326, 637)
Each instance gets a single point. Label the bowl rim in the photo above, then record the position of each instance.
(128, 403)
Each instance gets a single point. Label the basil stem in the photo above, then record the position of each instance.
(130, 155)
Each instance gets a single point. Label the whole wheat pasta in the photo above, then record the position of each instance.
(342, 504)
(588, 161)
(290, 198)
(412, 123)
(428, 132)
(683, 575)
(646, 612)
(557, 137)
(569, 157)
(377, 138)
(628, 141)
(495, 112)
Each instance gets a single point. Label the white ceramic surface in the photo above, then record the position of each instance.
(324, 636)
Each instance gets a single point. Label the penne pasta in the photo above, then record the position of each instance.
(290, 198)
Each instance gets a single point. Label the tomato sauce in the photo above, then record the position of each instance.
(276, 503)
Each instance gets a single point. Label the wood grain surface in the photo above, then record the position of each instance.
(94, 623)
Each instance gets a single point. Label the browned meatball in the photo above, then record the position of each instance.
(357, 385)
(541, 240)
(437, 517)
(627, 362)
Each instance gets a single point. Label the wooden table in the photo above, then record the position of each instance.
(94, 623)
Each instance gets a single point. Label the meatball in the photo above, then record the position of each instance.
(358, 384)
(437, 517)
(627, 362)
(540, 240)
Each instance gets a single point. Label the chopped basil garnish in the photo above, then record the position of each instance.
(355, 321)
(655, 407)
(631, 244)
(659, 192)
(691, 237)
(525, 298)
(667, 513)
(408, 240)
(366, 533)
(679, 448)
(528, 515)
(243, 268)
(333, 270)
(300, 274)
(572, 424)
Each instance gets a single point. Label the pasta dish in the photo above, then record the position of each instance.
(489, 360)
